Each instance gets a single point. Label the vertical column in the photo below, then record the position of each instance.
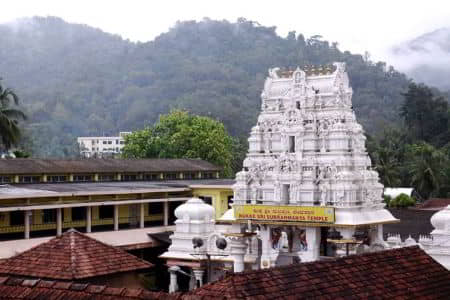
(199, 277)
(88, 219)
(266, 246)
(313, 241)
(27, 215)
(116, 217)
(58, 221)
(142, 216)
(238, 250)
(173, 285)
(166, 213)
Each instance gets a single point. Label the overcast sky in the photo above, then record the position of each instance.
(357, 25)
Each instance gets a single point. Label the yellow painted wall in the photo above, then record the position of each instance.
(219, 198)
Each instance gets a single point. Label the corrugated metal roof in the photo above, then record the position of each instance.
(55, 166)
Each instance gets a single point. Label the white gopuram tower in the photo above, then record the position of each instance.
(307, 168)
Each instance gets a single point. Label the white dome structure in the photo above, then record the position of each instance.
(441, 222)
(194, 210)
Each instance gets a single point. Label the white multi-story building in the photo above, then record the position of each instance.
(101, 146)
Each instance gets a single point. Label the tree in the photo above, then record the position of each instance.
(427, 167)
(426, 116)
(9, 118)
(181, 135)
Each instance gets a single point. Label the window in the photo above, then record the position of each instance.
(80, 178)
(57, 178)
(16, 218)
(189, 175)
(207, 200)
(106, 177)
(49, 215)
(78, 213)
(129, 177)
(285, 193)
(106, 212)
(117, 142)
(170, 176)
(104, 142)
(151, 177)
(5, 179)
(109, 142)
(208, 175)
(156, 208)
(230, 201)
(29, 179)
(292, 144)
(297, 104)
(122, 142)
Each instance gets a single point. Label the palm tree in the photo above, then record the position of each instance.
(9, 118)
(427, 169)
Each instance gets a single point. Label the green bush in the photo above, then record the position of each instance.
(387, 199)
(402, 201)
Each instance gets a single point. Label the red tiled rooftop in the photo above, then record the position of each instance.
(435, 203)
(71, 256)
(15, 288)
(405, 273)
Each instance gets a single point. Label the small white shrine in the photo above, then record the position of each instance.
(307, 180)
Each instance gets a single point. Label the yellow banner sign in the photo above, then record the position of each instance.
(311, 214)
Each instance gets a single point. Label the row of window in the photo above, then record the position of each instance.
(106, 177)
(16, 218)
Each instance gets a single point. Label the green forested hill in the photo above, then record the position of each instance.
(75, 80)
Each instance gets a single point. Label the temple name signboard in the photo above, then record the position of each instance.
(310, 214)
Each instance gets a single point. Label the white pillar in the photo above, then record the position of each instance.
(199, 277)
(238, 249)
(27, 216)
(266, 246)
(173, 285)
(58, 221)
(313, 241)
(166, 213)
(88, 219)
(116, 217)
(142, 216)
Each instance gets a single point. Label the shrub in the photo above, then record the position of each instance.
(402, 201)
(387, 199)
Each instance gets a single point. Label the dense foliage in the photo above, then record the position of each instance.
(181, 135)
(417, 153)
(75, 80)
(9, 118)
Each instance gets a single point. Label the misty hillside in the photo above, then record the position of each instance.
(75, 80)
(426, 58)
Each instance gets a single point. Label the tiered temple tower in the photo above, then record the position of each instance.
(308, 150)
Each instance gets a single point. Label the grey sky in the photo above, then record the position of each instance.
(357, 25)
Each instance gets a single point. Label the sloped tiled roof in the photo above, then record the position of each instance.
(55, 166)
(71, 256)
(405, 273)
(435, 204)
(33, 289)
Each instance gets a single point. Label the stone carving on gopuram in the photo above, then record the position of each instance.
(307, 147)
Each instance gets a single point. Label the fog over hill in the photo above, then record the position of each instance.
(77, 80)
(426, 58)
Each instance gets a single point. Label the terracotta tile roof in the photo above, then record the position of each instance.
(435, 203)
(33, 289)
(412, 222)
(71, 256)
(39, 166)
(405, 273)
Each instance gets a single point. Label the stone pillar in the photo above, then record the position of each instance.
(27, 216)
(58, 221)
(166, 213)
(313, 241)
(142, 216)
(199, 277)
(266, 242)
(88, 219)
(116, 217)
(238, 249)
(173, 285)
